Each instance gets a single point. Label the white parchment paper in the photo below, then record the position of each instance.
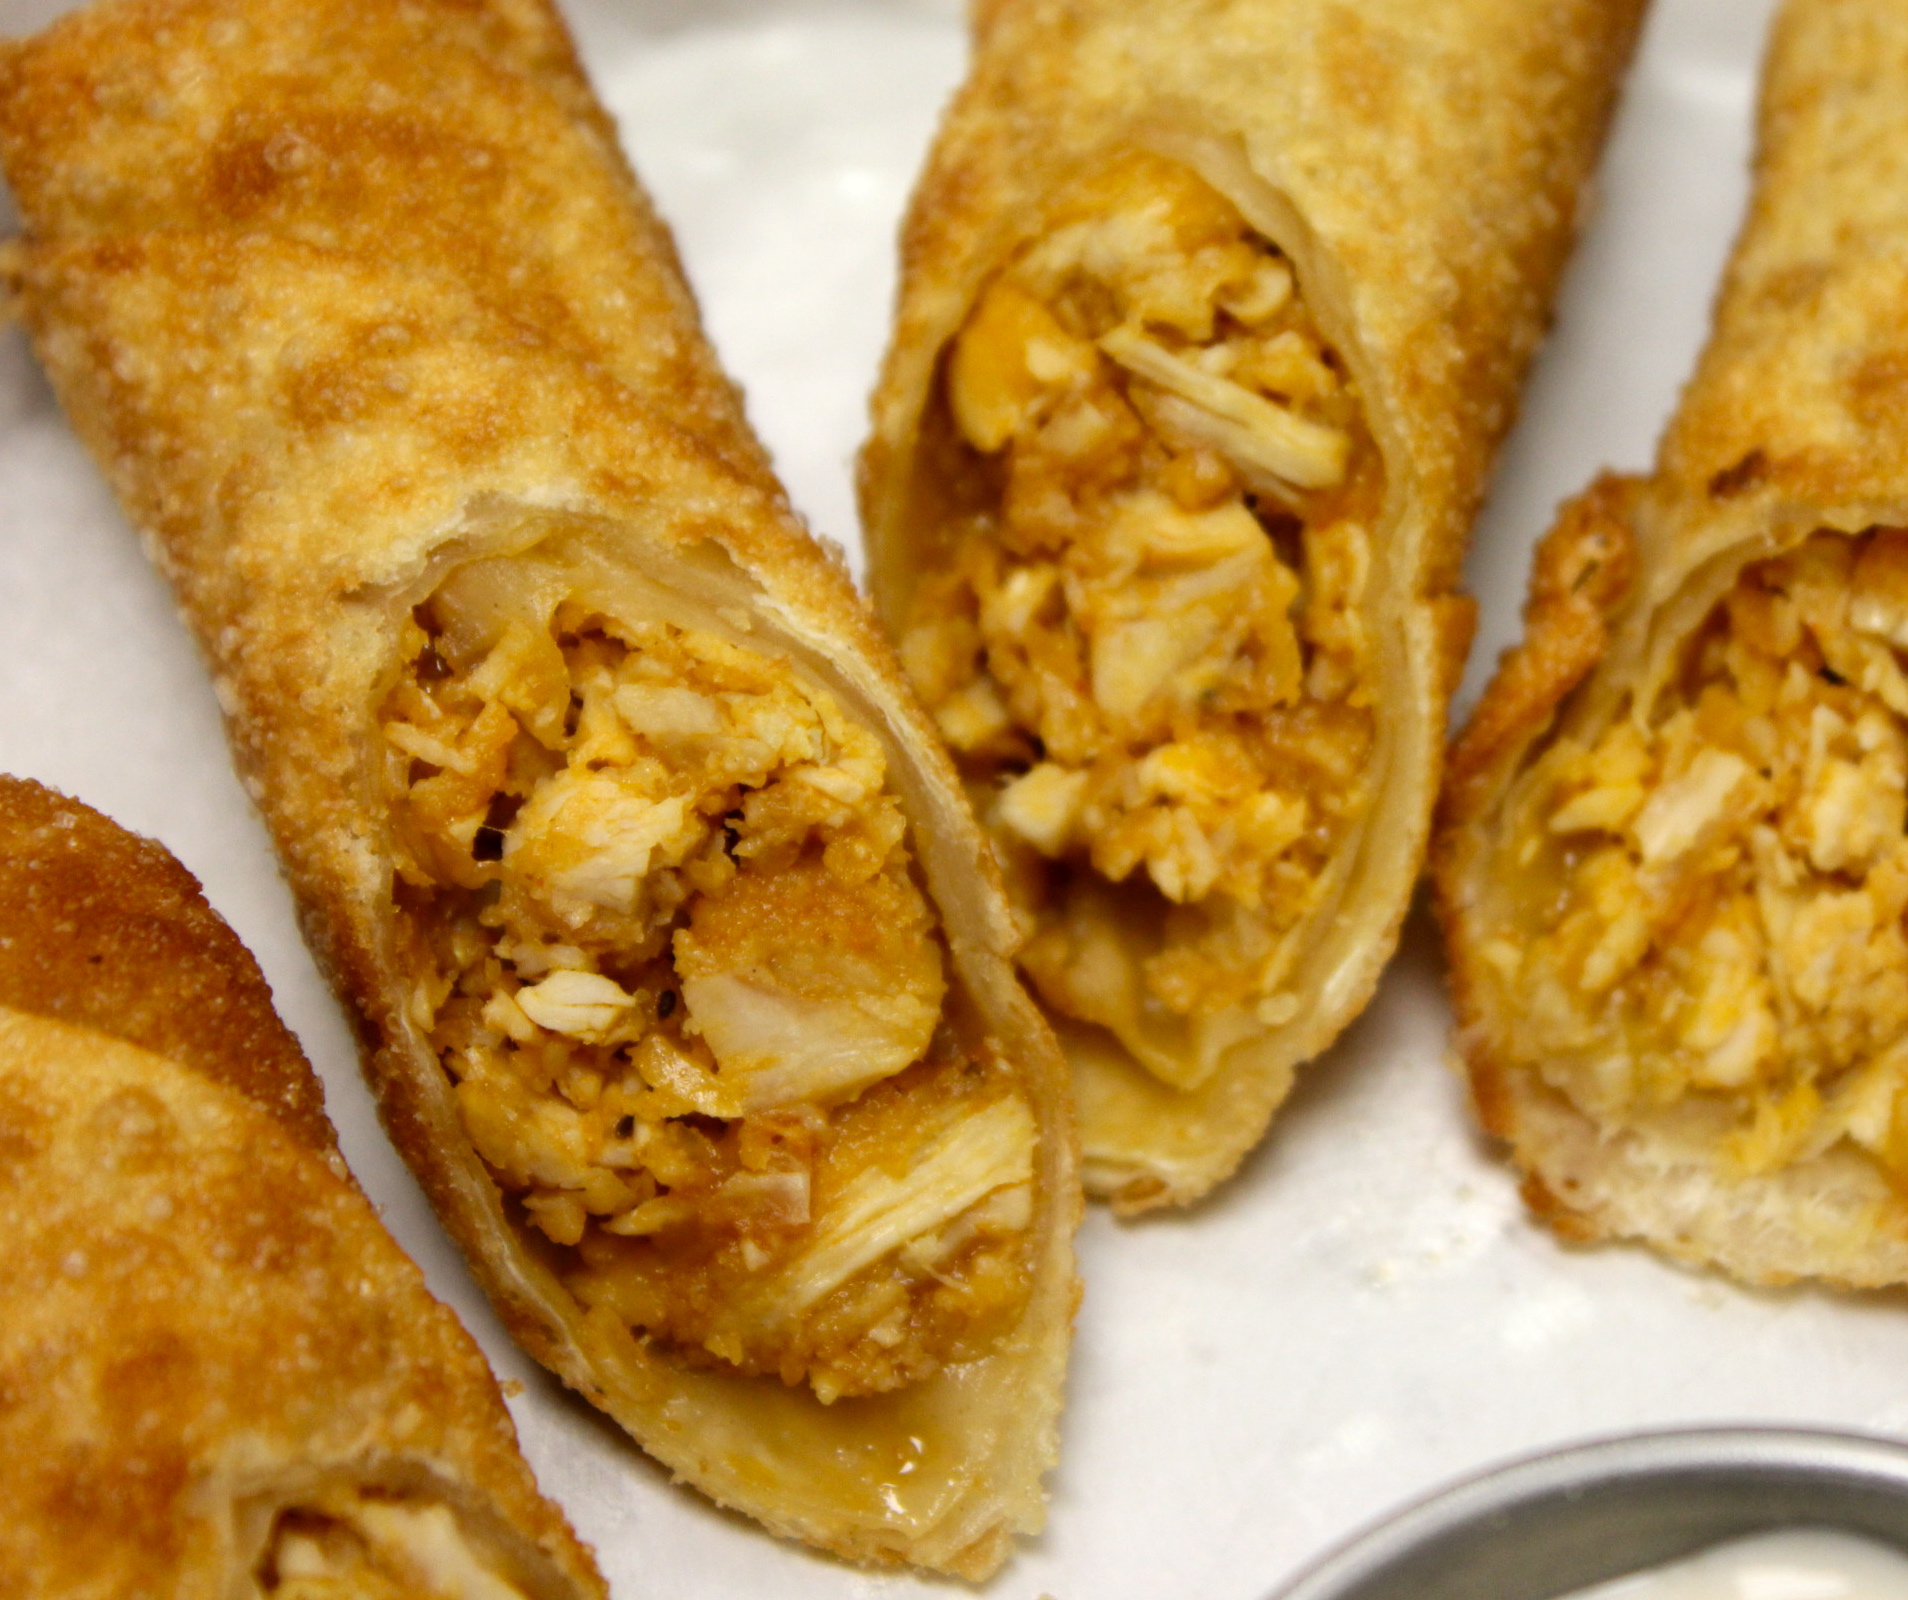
(1365, 1311)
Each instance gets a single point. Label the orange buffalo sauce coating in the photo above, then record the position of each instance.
(690, 995)
(1142, 638)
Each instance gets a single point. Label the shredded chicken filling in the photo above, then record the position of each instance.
(352, 1546)
(1721, 883)
(1143, 635)
(690, 995)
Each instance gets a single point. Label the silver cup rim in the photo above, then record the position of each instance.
(1491, 1496)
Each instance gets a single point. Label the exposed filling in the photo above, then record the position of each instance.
(1142, 637)
(354, 1546)
(692, 1000)
(1718, 886)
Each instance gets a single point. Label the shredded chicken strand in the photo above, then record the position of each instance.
(689, 992)
(1721, 880)
(1142, 635)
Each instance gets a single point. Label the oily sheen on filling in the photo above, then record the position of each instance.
(693, 1002)
(1142, 634)
(1710, 893)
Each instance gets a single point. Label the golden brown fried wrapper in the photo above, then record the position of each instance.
(1670, 861)
(684, 980)
(222, 1376)
(105, 930)
(1212, 315)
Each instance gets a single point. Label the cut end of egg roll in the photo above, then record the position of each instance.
(224, 1377)
(1673, 858)
(1200, 361)
(1145, 636)
(668, 941)
(745, 1114)
(1683, 972)
(684, 977)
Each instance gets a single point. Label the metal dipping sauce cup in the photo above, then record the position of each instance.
(1549, 1524)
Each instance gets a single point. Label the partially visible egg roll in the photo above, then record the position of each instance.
(1672, 866)
(105, 930)
(684, 981)
(1212, 314)
(222, 1377)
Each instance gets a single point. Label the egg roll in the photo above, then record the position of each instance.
(222, 1376)
(1671, 864)
(684, 982)
(1212, 313)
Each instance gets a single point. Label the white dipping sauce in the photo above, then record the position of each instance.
(1790, 1564)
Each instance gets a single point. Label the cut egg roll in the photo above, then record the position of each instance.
(1212, 314)
(1672, 866)
(222, 1376)
(684, 977)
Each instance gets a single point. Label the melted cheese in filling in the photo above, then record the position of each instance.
(689, 993)
(1142, 637)
(1717, 889)
(352, 1546)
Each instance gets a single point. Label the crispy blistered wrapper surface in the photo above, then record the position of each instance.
(107, 931)
(1425, 170)
(201, 1318)
(1792, 423)
(343, 294)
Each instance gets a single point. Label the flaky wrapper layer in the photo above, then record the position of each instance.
(202, 1320)
(342, 295)
(1795, 421)
(1423, 169)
